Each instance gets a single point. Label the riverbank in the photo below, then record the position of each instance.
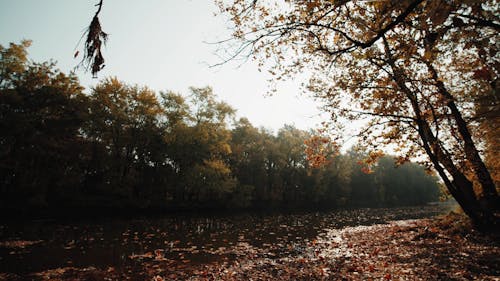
(424, 249)
(98, 212)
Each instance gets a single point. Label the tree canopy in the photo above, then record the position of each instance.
(422, 75)
(125, 146)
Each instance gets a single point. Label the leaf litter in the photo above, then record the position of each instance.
(424, 249)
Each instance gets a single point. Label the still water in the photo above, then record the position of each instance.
(195, 239)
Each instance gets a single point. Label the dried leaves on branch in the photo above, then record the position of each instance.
(93, 59)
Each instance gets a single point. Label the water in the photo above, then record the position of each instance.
(187, 239)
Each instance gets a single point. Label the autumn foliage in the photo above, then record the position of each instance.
(411, 73)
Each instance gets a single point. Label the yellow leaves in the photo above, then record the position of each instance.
(218, 166)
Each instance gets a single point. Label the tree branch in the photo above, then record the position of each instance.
(480, 21)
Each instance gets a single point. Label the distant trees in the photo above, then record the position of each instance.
(41, 113)
(126, 146)
(125, 138)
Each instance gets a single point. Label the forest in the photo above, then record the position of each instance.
(122, 146)
(122, 179)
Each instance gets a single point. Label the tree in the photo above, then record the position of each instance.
(247, 162)
(122, 146)
(411, 70)
(199, 140)
(487, 116)
(407, 184)
(126, 136)
(294, 166)
(41, 111)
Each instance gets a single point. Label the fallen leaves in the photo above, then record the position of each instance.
(398, 250)
(147, 255)
(18, 244)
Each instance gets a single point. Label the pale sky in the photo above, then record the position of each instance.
(159, 44)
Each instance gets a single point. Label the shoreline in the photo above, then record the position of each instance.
(8, 215)
(419, 249)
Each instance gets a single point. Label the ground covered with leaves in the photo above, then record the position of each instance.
(426, 249)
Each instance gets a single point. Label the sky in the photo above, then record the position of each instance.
(162, 44)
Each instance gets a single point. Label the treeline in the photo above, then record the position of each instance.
(120, 146)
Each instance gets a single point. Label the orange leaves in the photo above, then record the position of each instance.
(370, 160)
(318, 150)
(367, 170)
(373, 157)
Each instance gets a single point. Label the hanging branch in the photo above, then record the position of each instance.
(93, 58)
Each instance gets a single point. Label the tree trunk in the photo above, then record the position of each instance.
(489, 191)
(460, 187)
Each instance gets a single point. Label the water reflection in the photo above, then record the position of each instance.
(184, 238)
